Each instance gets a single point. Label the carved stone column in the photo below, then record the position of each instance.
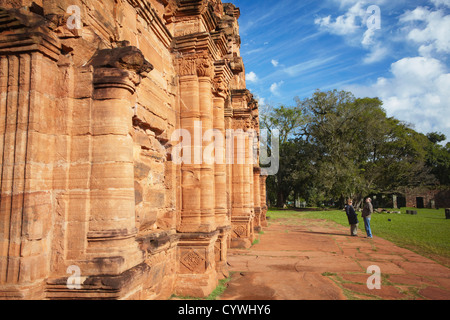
(190, 219)
(112, 224)
(239, 218)
(28, 124)
(263, 201)
(196, 118)
(256, 169)
(101, 222)
(205, 71)
(223, 221)
(248, 179)
(257, 198)
(196, 249)
(228, 114)
(242, 203)
(220, 174)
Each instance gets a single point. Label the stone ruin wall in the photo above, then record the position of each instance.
(88, 179)
(432, 197)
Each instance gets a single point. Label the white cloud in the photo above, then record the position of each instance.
(302, 67)
(419, 13)
(261, 101)
(361, 21)
(344, 24)
(274, 63)
(251, 77)
(253, 51)
(354, 19)
(426, 51)
(429, 29)
(418, 92)
(348, 3)
(377, 54)
(368, 37)
(418, 89)
(274, 88)
(438, 3)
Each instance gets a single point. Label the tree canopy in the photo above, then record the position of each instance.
(334, 146)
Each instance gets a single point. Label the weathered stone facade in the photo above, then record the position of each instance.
(87, 121)
(423, 197)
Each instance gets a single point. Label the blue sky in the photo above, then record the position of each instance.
(401, 55)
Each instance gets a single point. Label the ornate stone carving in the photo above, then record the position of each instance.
(193, 261)
(187, 67)
(220, 88)
(170, 10)
(127, 58)
(205, 67)
(240, 230)
(120, 67)
(198, 65)
(185, 32)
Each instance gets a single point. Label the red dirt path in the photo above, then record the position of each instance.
(318, 260)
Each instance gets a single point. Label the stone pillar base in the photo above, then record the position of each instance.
(257, 220)
(264, 216)
(196, 285)
(242, 234)
(257, 229)
(153, 278)
(220, 250)
(197, 275)
(102, 287)
(238, 243)
(33, 291)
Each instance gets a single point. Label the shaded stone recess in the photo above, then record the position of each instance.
(88, 178)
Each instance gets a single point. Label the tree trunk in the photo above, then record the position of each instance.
(280, 199)
(342, 201)
(295, 199)
(359, 200)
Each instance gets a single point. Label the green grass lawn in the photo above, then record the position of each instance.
(427, 233)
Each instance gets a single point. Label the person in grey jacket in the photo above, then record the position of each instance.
(367, 215)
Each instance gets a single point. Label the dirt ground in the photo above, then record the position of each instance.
(319, 260)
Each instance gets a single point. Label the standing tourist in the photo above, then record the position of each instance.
(352, 218)
(367, 215)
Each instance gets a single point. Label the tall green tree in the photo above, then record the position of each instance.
(438, 157)
(334, 146)
(289, 122)
(358, 150)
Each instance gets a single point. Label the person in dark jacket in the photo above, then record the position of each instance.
(352, 218)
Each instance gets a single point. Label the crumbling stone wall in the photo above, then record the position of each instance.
(432, 197)
(90, 100)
